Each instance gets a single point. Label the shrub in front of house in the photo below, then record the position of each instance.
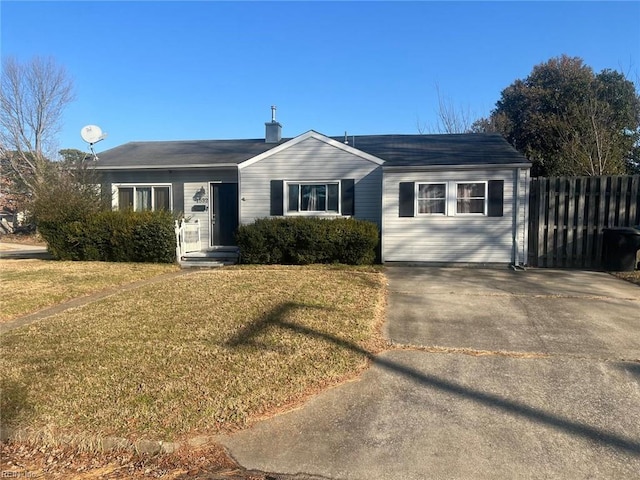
(77, 223)
(306, 240)
(113, 236)
(154, 237)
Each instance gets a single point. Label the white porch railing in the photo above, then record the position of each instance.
(187, 237)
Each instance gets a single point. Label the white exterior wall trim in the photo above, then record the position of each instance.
(305, 136)
(312, 213)
(431, 168)
(383, 217)
(516, 216)
(525, 202)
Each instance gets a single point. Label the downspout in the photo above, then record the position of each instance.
(240, 197)
(382, 213)
(516, 217)
(240, 200)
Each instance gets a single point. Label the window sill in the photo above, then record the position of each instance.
(315, 214)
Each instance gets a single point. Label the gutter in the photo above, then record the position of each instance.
(423, 168)
(168, 167)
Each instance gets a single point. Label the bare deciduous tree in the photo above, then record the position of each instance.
(593, 147)
(450, 118)
(33, 97)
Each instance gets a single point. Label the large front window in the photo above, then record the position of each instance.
(313, 197)
(144, 197)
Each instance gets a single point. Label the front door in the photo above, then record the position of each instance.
(224, 213)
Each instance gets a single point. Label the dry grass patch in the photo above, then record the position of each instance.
(31, 285)
(202, 353)
(633, 277)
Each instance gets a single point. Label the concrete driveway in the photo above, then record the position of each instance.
(497, 374)
(544, 311)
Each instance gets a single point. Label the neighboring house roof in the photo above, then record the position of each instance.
(394, 150)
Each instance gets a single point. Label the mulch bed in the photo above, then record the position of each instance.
(51, 462)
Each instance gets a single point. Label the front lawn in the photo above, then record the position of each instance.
(205, 352)
(31, 285)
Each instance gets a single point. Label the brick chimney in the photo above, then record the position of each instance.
(273, 130)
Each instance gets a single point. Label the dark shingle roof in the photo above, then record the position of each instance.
(187, 152)
(395, 150)
(452, 149)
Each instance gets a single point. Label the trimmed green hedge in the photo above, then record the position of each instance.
(113, 236)
(306, 240)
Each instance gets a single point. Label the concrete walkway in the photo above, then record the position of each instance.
(498, 374)
(17, 251)
(22, 251)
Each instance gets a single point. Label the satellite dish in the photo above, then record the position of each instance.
(92, 134)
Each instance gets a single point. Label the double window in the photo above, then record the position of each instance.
(144, 197)
(313, 197)
(451, 198)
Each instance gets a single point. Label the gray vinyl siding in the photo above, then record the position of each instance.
(453, 238)
(184, 185)
(310, 160)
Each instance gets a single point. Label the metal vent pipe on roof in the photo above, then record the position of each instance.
(273, 130)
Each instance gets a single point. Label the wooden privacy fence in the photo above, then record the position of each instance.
(567, 216)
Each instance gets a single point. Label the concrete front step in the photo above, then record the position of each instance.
(209, 259)
(212, 254)
(204, 264)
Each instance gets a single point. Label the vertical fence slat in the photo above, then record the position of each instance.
(551, 223)
(601, 220)
(580, 222)
(634, 204)
(590, 230)
(623, 218)
(560, 246)
(542, 224)
(571, 224)
(613, 202)
(533, 222)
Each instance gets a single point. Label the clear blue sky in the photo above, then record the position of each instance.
(211, 70)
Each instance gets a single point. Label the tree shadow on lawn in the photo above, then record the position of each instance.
(13, 402)
(632, 368)
(277, 318)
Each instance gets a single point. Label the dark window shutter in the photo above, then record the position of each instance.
(407, 191)
(496, 198)
(277, 187)
(348, 193)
